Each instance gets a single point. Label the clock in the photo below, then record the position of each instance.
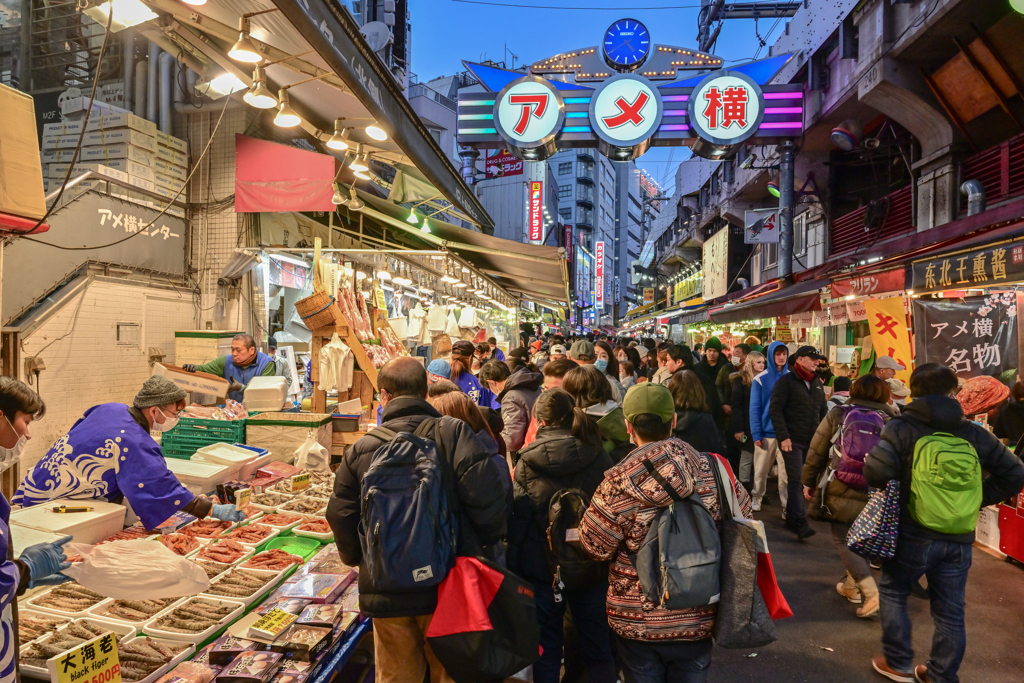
(626, 45)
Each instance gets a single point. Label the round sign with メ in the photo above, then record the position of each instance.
(625, 111)
(726, 107)
(528, 114)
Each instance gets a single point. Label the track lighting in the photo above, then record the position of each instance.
(286, 116)
(244, 50)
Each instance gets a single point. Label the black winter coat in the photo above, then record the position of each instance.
(477, 487)
(739, 421)
(1009, 423)
(555, 461)
(893, 458)
(796, 410)
(699, 430)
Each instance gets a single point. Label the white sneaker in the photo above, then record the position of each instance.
(756, 506)
(783, 514)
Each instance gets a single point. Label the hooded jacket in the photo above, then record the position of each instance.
(893, 458)
(761, 394)
(478, 485)
(555, 461)
(517, 398)
(612, 422)
(698, 430)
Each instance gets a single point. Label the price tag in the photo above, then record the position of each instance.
(272, 624)
(242, 498)
(300, 482)
(572, 535)
(94, 661)
(378, 295)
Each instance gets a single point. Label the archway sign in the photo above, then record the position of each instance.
(627, 95)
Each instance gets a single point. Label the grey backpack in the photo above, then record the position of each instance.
(679, 562)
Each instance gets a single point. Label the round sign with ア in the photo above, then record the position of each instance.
(625, 111)
(528, 114)
(726, 107)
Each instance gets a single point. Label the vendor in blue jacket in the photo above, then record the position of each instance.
(766, 446)
(240, 366)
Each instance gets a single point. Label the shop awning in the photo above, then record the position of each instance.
(798, 298)
(640, 310)
(693, 317)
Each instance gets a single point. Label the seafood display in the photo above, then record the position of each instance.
(181, 543)
(283, 486)
(232, 410)
(320, 477)
(279, 519)
(130, 534)
(135, 610)
(252, 534)
(194, 616)
(306, 505)
(74, 635)
(212, 569)
(272, 559)
(272, 499)
(142, 656)
(68, 597)
(189, 672)
(317, 526)
(239, 583)
(208, 528)
(307, 636)
(31, 627)
(251, 512)
(226, 551)
(320, 491)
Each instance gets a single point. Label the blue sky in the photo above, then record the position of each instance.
(445, 32)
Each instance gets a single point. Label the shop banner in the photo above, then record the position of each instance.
(648, 295)
(838, 313)
(798, 320)
(887, 320)
(821, 318)
(716, 265)
(688, 288)
(599, 272)
(278, 178)
(886, 281)
(995, 264)
(501, 163)
(973, 336)
(855, 310)
(536, 213)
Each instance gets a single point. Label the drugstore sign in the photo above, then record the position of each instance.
(536, 210)
(599, 272)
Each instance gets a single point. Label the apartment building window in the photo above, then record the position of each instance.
(800, 235)
(565, 191)
(565, 213)
(770, 255)
(565, 168)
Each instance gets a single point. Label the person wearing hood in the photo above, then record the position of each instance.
(606, 362)
(461, 362)
(840, 391)
(516, 391)
(458, 405)
(766, 446)
(592, 392)
(943, 557)
(567, 454)
(693, 421)
(680, 358)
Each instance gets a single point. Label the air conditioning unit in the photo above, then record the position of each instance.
(389, 5)
(389, 18)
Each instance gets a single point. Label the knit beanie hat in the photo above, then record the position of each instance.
(158, 391)
(713, 343)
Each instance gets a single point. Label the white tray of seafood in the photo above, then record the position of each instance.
(244, 585)
(194, 620)
(33, 656)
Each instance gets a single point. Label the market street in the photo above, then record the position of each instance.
(808, 572)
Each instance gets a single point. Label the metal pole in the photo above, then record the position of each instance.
(787, 151)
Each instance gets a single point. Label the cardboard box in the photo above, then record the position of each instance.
(171, 156)
(987, 531)
(65, 127)
(121, 119)
(162, 166)
(119, 135)
(58, 156)
(67, 141)
(171, 141)
(142, 183)
(21, 171)
(120, 151)
(171, 183)
(76, 106)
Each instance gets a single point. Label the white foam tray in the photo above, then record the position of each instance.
(286, 527)
(240, 560)
(96, 613)
(178, 659)
(42, 615)
(313, 534)
(51, 610)
(274, 578)
(274, 534)
(318, 513)
(151, 629)
(301, 562)
(122, 630)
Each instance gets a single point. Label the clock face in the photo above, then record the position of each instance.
(626, 44)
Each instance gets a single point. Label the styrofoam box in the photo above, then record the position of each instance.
(78, 105)
(265, 394)
(200, 477)
(118, 151)
(152, 629)
(57, 156)
(168, 182)
(122, 119)
(171, 141)
(272, 579)
(86, 527)
(221, 453)
(96, 613)
(118, 136)
(123, 631)
(63, 128)
(178, 658)
(179, 172)
(987, 531)
(174, 196)
(243, 558)
(23, 536)
(65, 141)
(171, 156)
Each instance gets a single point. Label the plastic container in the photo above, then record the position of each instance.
(319, 512)
(221, 453)
(274, 534)
(295, 545)
(286, 569)
(322, 537)
(263, 457)
(123, 631)
(152, 629)
(83, 613)
(178, 659)
(24, 536)
(265, 393)
(283, 528)
(192, 433)
(97, 614)
(243, 558)
(272, 580)
(86, 527)
(200, 477)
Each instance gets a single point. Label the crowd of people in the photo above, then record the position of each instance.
(618, 429)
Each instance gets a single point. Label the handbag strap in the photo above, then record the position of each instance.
(661, 480)
(725, 496)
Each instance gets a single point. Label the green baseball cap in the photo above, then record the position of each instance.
(649, 398)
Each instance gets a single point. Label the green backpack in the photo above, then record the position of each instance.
(945, 488)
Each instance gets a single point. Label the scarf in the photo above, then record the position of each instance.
(806, 375)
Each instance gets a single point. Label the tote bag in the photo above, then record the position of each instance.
(874, 532)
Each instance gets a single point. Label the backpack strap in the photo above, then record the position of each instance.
(383, 433)
(662, 481)
(725, 496)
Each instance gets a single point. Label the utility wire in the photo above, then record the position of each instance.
(576, 9)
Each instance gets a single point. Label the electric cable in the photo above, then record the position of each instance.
(575, 9)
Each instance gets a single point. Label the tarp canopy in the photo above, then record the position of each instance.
(798, 298)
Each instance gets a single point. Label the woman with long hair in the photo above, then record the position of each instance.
(739, 420)
(458, 405)
(462, 374)
(592, 392)
(605, 361)
(694, 424)
(567, 454)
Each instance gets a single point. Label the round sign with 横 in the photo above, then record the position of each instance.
(528, 114)
(726, 108)
(625, 111)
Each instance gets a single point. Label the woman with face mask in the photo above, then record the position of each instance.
(109, 454)
(605, 361)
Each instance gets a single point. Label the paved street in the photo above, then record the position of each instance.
(808, 572)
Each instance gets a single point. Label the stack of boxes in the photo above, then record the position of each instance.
(120, 145)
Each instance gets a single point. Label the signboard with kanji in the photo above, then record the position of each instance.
(94, 661)
(993, 265)
(887, 320)
(716, 265)
(761, 226)
(726, 107)
(973, 336)
(873, 283)
(687, 289)
(648, 295)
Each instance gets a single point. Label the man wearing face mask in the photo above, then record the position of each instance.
(109, 454)
(240, 366)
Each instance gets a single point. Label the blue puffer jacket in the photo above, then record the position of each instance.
(761, 395)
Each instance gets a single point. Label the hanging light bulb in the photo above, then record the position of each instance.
(361, 175)
(338, 198)
(359, 163)
(376, 132)
(425, 227)
(244, 50)
(354, 202)
(383, 273)
(412, 220)
(286, 116)
(360, 275)
(259, 95)
(339, 140)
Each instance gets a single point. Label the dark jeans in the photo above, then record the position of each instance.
(592, 630)
(675, 661)
(796, 516)
(945, 563)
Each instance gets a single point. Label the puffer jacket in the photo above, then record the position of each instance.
(842, 502)
(612, 422)
(478, 487)
(893, 458)
(761, 395)
(739, 420)
(796, 408)
(698, 430)
(555, 461)
(517, 398)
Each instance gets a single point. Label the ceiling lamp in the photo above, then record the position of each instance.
(360, 275)
(355, 203)
(847, 135)
(339, 140)
(286, 116)
(412, 220)
(449, 279)
(460, 285)
(259, 95)
(361, 175)
(359, 163)
(376, 132)
(383, 274)
(126, 13)
(244, 50)
(338, 198)
(426, 227)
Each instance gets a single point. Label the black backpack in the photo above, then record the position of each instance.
(573, 568)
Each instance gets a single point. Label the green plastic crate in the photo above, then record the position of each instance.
(193, 433)
(296, 545)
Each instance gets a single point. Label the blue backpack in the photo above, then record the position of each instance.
(407, 531)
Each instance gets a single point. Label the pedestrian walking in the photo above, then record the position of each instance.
(739, 420)
(685, 361)
(938, 457)
(766, 445)
(837, 452)
(516, 393)
(840, 392)
(693, 420)
(591, 391)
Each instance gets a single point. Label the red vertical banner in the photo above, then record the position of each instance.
(599, 272)
(536, 210)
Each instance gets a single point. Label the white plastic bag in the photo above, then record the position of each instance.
(311, 455)
(135, 570)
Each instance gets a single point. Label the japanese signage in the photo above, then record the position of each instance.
(618, 295)
(568, 243)
(838, 313)
(761, 226)
(132, 223)
(875, 283)
(855, 310)
(528, 113)
(242, 498)
(502, 163)
(687, 289)
(648, 295)
(716, 265)
(536, 203)
(887, 320)
(625, 111)
(299, 482)
(94, 661)
(993, 265)
(973, 336)
(648, 186)
(726, 107)
(599, 272)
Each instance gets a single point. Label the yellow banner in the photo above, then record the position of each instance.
(887, 319)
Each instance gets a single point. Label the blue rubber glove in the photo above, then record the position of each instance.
(45, 559)
(227, 513)
(51, 580)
